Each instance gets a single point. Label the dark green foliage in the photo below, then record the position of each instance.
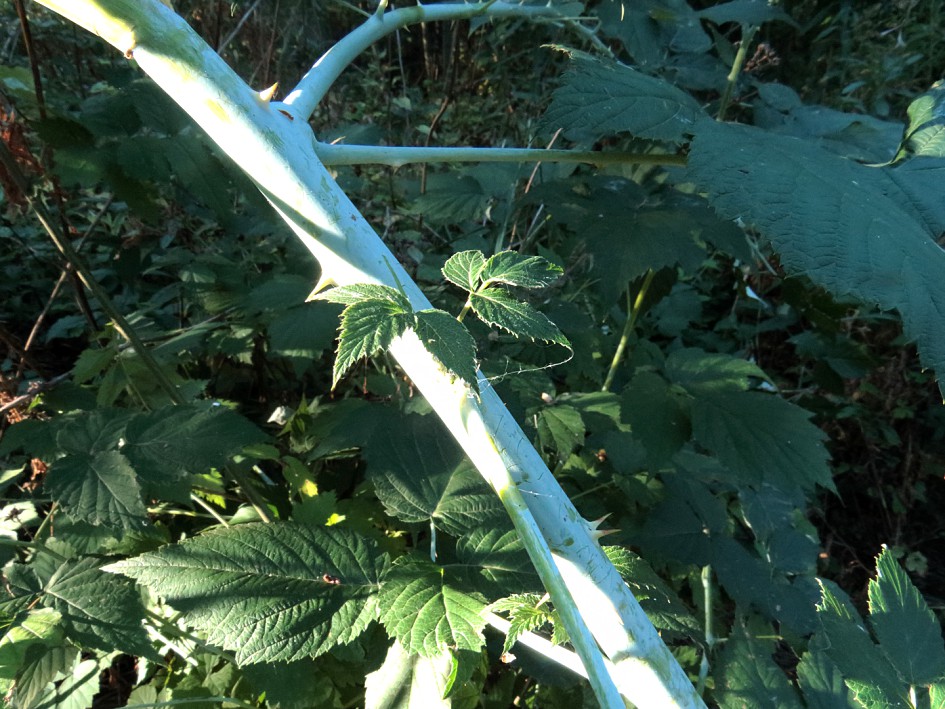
(765, 431)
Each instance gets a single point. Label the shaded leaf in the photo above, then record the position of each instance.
(821, 682)
(603, 97)
(925, 134)
(658, 416)
(269, 592)
(561, 429)
(745, 12)
(100, 489)
(746, 675)
(77, 590)
(830, 218)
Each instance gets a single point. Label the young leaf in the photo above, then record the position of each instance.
(268, 592)
(463, 269)
(450, 342)
(515, 269)
(426, 612)
(526, 614)
(908, 632)
(349, 295)
(100, 489)
(604, 97)
(368, 327)
(499, 309)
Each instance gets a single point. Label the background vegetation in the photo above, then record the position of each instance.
(206, 274)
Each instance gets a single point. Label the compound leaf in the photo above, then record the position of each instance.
(515, 269)
(603, 97)
(269, 592)
(428, 613)
(450, 342)
(499, 309)
(101, 489)
(907, 630)
(463, 269)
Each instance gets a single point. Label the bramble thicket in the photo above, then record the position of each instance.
(472, 354)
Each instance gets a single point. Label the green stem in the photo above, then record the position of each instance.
(36, 546)
(707, 601)
(633, 314)
(748, 33)
(466, 308)
(341, 154)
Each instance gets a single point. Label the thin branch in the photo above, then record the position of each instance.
(315, 84)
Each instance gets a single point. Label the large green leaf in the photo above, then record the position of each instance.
(423, 608)
(822, 683)
(603, 97)
(745, 12)
(658, 415)
(367, 328)
(495, 563)
(268, 592)
(832, 219)
(909, 634)
(925, 134)
(98, 610)
(100, 489)
(561, 429)
(419, 474)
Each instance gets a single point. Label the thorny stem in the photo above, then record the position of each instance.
(633, 314)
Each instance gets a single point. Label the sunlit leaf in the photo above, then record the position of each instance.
(497, 308)
(463, 269)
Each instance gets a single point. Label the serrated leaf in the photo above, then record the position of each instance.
(165, 445)
(42, 667)
(100, 489)
(561, 429)
(41, 627)
(526, 614)
(451, 198)
(93, 431)
(908, 632)
(419, 474)
(368, 327)
(77, 590)
(450, 342)
(603, 97)
(349, 295)
(515, 269)
(428, 613)
(831, 219)
(746, 675)
(407, 680)
(761, 437)
(77, 689)
(864, 668)
(499, 309)
(821, 682)
(463, 269)
(269, 592)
